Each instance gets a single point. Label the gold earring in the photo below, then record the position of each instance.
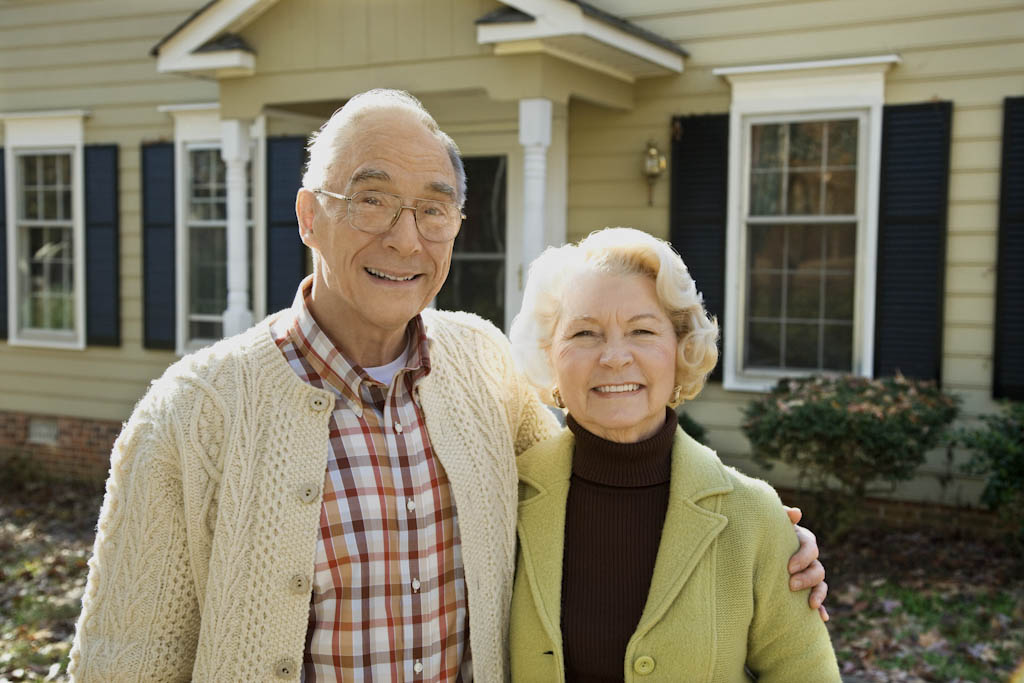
(557, 396)
(677, 392)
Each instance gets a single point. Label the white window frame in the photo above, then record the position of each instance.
(198, 126)
(839, 88)
(45, 132)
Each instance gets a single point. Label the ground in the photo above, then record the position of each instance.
(906, 605)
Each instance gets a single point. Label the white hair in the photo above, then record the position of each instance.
(325, 145)
(613, 251)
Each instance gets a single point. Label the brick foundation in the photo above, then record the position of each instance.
(81, 451)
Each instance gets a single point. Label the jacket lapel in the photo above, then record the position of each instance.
(689, 528)
(544, 473)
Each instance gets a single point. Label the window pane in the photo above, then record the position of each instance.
(205, 330)
(30, 170)
(766, 295)
(30, 205)
(804, 193)
(766, 242)
(803, 295)
(763, 345)
(840, 245)
(838, 349)
(64, 169)
(49, 169)
(50, 204)
(765, 193)
(801, 345)
(842, 143)
(840, 192)
(805, 144)
(208, 266)
(766, 146)
(839, 297)
(804, 247)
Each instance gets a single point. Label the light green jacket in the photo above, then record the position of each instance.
(719, 601)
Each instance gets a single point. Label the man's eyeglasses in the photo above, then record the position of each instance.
(376, 212)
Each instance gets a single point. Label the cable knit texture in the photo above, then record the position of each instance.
(208, 515)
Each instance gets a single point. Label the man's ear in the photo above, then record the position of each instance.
(305, 213)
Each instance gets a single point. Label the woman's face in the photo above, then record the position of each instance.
(614, 356)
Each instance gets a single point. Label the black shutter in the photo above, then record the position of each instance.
(102, 254)
(3, 249)
(286, 255)
(700, 183)
(911, 263)
(1008, 363)
(158, 299)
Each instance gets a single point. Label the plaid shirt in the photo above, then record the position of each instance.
(389, 592)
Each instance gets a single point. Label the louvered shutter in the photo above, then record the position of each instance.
(158, 246)
(3, 248)
(286, 264)
(912, 239)
(700, 158)
(102, 273)
(1008, 363)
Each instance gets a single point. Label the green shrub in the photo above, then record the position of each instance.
(999, 453)
(693, 428)
(846, 434)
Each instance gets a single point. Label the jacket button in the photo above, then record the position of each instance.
(643, 665)
(299, 584)
(285, 668)
(308, 493)
(319, 403)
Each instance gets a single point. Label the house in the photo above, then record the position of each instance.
(844, 178)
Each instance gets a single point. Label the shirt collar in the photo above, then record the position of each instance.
(331, 364)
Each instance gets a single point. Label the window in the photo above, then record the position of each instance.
(46, 242)
(801, 230)
(206, 221)
(801, 225)
(201, 224)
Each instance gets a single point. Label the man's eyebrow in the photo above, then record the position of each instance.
(443, 188)
(369, 174)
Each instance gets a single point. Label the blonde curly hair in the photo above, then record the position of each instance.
(614, 251)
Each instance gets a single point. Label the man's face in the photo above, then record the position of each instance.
(378, 283)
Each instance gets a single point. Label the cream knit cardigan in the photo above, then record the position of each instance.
(210, 520)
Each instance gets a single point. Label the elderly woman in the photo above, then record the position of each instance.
(640, 553)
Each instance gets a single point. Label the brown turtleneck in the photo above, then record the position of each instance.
(618, 495)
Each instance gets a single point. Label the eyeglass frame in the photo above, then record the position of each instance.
(394, 219)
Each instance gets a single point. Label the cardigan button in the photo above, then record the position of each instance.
(299, 585)
(285, 668)
(643, 665)
(319, 403)
(309, 493)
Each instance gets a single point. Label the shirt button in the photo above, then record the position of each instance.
(643, 665)
(398, 427)
(418, 667)
(410, 505)
(285, 668)
(319, 403)
(299, 584)
(308, 493)
(416, 585)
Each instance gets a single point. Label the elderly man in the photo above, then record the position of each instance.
(332, 494)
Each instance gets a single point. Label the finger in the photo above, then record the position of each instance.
(795, 515)
(823, 613)
(806, 554)
(818, 593)
(812, 576)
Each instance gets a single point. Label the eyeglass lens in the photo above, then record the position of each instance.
(376, 212)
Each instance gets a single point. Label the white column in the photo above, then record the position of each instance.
(535, 137)
(235, 152)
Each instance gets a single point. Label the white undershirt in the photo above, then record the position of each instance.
(386, 373)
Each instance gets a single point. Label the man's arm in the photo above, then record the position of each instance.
(805, 568)
(140, 614)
